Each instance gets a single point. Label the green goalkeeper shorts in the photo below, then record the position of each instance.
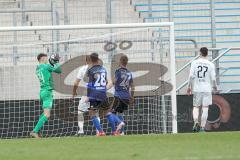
(46, 98)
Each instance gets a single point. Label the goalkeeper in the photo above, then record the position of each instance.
(43, 72)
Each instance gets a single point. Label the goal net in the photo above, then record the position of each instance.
(149, 47)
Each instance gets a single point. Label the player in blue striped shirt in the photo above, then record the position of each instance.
(124, 89)
(97, 93)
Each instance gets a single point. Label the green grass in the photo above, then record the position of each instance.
(203, 146)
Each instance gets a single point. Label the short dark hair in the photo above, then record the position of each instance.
(40, 55)
(94, 57)
(204, 51)
(87, 58)
(124, 60)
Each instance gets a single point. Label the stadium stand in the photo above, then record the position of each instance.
(192, 24)
(193, 21)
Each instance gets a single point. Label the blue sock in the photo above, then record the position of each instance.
(111, 120)
(96, 123)
(117, 119)
(122, 119)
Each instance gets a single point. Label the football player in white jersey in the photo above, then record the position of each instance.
(202, 82)
(83, 102)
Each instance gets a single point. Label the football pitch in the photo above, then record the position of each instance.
(202, 146)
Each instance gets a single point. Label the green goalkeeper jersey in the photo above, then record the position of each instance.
(44, 74)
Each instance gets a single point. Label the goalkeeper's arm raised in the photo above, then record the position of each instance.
(54, 64)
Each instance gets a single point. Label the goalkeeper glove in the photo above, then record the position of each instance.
(53, 59)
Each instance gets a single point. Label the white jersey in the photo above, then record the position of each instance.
(82, 72)
(203, 73)
(82, 106)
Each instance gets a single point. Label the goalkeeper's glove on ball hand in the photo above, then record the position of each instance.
(53, 59)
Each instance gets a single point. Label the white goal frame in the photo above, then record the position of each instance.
(123, 25)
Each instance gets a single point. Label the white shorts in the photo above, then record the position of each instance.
(83, 105)
(202, 99)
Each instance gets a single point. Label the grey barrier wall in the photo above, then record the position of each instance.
(224, 114)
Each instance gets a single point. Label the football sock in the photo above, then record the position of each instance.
(195, 114)
(40, 123)
(99, 122)
(41, 115)
(96, 123)
(204, 116)
(122, 119)
(111, 119)
(117, 119)
(80, 121)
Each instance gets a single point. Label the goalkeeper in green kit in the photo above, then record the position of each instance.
(44, 73)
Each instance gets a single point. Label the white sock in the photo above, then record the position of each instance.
(204, 116)
(80, 122)
(195, 114)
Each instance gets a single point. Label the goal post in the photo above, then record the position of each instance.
(151, 52)
(89, 26)
(173, 79)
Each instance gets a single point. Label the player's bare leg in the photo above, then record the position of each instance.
(196, 125)
(204, 117)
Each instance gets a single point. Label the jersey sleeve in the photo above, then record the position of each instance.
(191, 73)
(86, 75)
(56, 68)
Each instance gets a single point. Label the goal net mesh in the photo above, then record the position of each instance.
(149, 61)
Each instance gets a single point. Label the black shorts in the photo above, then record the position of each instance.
(119, 105)
(96, 104)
